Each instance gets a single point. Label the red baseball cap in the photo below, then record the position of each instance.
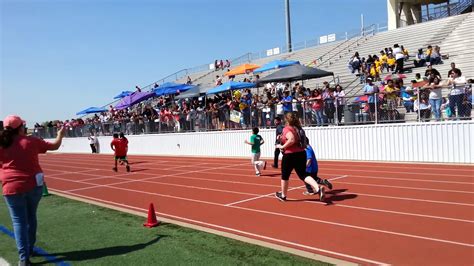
(13, 121)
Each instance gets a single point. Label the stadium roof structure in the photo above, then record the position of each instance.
(91, 110)
(276, 64)
(231, 85)
(194, 92)
(172, 88)
(134, 98)
(295, 73)
(242, 69)
(123, 94)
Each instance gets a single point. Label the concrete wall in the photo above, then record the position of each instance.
(447, 142)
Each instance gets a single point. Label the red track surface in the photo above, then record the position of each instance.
(416, 214)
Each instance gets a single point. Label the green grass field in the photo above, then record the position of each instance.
(80, 233)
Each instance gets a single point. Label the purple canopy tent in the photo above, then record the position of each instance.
(134, 98)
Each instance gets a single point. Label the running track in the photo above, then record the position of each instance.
(377, 213)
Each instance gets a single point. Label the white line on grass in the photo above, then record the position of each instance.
(3, 262)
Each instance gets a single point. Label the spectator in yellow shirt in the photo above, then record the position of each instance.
(391, 92)
(391, 62)
(374, 72)
(429, 51)
(383, 61)
(405, 53)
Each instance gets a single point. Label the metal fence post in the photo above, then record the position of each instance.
(419, 104)
(376, 108)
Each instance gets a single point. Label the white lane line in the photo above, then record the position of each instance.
(162, 183)
(65, 172)
(270, 194)
(236, 231)
(154, 177)
(411, 199)
(412, 188)
(3, 262)
(175, 168)
(414, 180)
(359, 164)
(259, 197)
(177, 175)
(394, 212)
(295, 217)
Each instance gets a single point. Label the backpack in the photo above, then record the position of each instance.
(302, 139)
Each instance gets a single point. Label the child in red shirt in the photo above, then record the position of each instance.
(120, 148)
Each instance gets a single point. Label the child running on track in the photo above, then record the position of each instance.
(312, 170)
(256, 141)
(122, 137)
(120, 148)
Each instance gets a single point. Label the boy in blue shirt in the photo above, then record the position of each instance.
(312, 170)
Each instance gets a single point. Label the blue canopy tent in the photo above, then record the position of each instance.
(231, 85)
(172, 88)
(123, 94)
(276, 64)
(91, 110)
(134, 98)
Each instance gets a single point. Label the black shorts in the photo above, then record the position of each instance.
(123, 158)
(296, 161)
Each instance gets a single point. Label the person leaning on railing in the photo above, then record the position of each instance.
(340, 102)
(371, 90)
(390, 92)
(409, 97)
(467, 103)
(317, 107)
(433, 87)
(456, 95)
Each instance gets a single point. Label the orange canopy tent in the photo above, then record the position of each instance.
(242, 69)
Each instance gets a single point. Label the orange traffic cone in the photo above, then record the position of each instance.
(151, 221)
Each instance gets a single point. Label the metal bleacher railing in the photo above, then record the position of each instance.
(410, 106)
(251, 56)
(441, 11)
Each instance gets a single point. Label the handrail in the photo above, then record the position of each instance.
(351, 88)
(368, 29)
(452, 9)
(247, 57)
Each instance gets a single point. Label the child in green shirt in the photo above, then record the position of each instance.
(256, 141)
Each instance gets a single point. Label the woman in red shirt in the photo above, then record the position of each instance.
(22, 180)
(294, 156)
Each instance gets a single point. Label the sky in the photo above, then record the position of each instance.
(61, 56)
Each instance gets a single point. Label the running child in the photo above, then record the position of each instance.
(312, 170)
(122, 137)
(256, 141)
(120, 148)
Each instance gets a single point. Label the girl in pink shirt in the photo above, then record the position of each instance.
(294, 156)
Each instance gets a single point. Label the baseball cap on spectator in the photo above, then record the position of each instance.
(369, 79)
(13, 121)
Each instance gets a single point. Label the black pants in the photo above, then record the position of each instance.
(399, 68)
(275, 159)
(93, 148)
(340, 111)
(296, 161)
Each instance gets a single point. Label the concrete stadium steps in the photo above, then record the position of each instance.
(452, 34)
(457, 38)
